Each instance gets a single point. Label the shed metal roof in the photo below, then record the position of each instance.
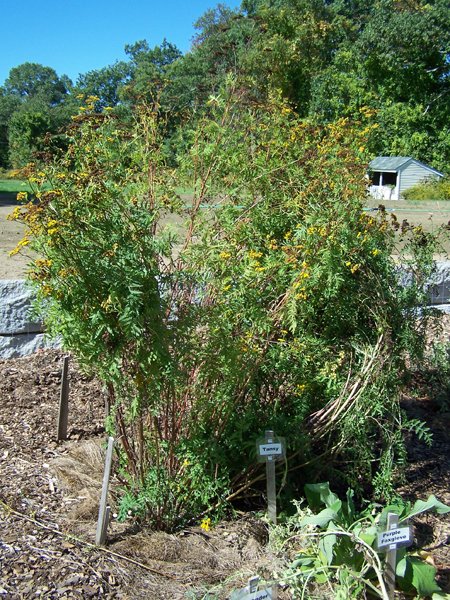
(395, 163)
(388, 163)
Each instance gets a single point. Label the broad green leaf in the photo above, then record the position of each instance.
(418, 574)
(320, 520)
(398, 507)
(321, 578)
(318, 494)
(303, 562)
(400, 569)
(369, 535)
(431, 504)
(326, 545)
(440, 596)
(350, 507)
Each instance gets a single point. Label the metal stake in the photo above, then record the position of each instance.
(103, 512)
(271, 485)
(391, 557)
(63, 414)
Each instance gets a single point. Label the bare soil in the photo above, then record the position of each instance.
(49, 506)
(50, 492)
(11, 267)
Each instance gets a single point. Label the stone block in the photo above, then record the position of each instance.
(14, 346)
(15, 305)
(20, 334)
(439, 284)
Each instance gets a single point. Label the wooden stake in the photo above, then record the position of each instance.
(103, 513)
(271, 485)
(252, 584)
(391, 557)
(63, 414)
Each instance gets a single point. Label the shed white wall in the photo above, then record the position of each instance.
(411, 174)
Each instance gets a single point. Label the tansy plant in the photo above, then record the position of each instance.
(266, 298)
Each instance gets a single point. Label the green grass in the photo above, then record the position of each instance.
(13, 185)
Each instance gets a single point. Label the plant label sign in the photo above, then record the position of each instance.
(245, 594)
(395, 538)
(270, 449)
(274, 450)
(251, 592)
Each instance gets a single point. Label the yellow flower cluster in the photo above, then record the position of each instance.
(301, 295)
(248, 343)
(16, 214)
(313, 230)
(52, 227)
(112, 251)
(353, 267)
(46, 290)
(107, 304)
(43, 263)
(63, 273)
(367, 112)
(23, 242)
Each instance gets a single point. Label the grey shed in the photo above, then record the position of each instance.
(391, 175)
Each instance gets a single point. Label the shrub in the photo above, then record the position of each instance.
(430, 189)
(277, 305)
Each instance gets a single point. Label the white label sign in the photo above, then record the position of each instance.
(270, 449)
(396, 537)
(244, 594)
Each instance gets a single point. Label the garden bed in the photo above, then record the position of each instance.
(49, 503)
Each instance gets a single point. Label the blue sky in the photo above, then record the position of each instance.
(74, 36)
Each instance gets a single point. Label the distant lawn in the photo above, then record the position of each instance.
(13, 185)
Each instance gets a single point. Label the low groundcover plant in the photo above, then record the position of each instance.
(333, 548)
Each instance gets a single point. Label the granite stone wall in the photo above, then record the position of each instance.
(439, 286)
(20, 334)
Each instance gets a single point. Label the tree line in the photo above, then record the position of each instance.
(383, 63)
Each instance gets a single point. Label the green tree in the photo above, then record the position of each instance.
(404, 50)
(294, 43)
(8, 105)
(27, 129)
(31, 80)
(222, 39)
(35, 101)
(149, 67)
(391, 58)
(105, 83)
